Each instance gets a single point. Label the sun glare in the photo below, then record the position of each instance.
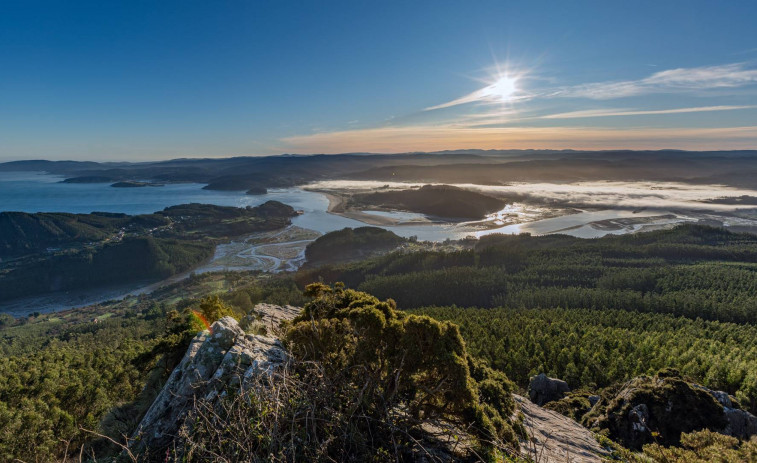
(504, 88)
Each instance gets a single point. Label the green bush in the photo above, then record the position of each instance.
(704, 447)
(398, 369)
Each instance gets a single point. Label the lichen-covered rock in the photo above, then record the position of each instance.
(659, 409)
(543, 389)
(722, 397)
(225, 332)
(218, 359)
(741, 423)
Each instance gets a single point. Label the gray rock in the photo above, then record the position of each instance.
(273, 315)
(223, 357)
(554, 438)
(639, 417)
(543, 389)
(741, 423)
(721, 396)
(225, 332)
(593, 399)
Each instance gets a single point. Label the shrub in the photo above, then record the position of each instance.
(704, 447)
(213, 308)
(399, 370)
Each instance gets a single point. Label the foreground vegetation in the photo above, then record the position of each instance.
(592, 312)
(66, 376)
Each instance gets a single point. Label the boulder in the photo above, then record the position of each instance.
(543, 389)
(217, 359)
(741, 424)
(658, 409)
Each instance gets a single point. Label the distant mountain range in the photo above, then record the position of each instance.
(736, 168)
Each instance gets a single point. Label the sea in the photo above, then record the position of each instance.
(42, 192)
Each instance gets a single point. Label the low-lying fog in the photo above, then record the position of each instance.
(593, 209)
(659, 195)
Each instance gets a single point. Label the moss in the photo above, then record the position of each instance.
(668, 406)
(575, 405)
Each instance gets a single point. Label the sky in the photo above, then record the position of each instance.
(138, 80)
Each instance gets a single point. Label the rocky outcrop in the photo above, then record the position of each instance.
(556, 438)
(660, 408)
(543, 389)
(741, 424)
(217, 359)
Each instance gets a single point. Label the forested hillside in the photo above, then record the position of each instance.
(23, 233)
(596, 348)
(692, 271)
(54, 252)
(351, 244)
(435, 200)
(590, 311)
(134, 259)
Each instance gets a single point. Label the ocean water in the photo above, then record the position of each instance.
(40, 192)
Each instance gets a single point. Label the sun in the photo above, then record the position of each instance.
(503, 88)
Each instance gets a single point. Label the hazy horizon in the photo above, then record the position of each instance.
(398, 153)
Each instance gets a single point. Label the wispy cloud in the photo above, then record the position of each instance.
(672, 80)
(502, 90)
(433, 138)
(478, 95)
(631, 112)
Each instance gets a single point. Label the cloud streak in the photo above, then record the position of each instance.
(673, 80)
(478, 95)
(502, 90)
(630, 112)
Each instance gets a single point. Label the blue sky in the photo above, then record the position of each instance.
(138, 80)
